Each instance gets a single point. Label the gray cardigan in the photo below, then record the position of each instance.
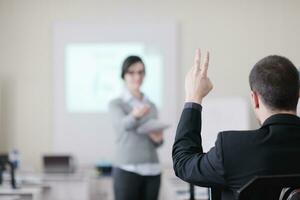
(132, 147)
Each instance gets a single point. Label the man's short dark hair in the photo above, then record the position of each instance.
(276, 80)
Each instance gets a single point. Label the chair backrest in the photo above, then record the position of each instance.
(290, 194)
(283, 187)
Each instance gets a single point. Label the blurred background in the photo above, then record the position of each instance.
(60, 64)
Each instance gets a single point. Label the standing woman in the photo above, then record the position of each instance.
(137, 171)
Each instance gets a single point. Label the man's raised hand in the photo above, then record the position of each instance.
(197, 83)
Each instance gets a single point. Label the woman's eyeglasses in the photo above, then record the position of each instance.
(140, 73)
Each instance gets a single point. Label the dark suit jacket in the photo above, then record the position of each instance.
(238, 155)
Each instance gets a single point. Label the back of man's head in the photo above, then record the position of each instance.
(276, 80)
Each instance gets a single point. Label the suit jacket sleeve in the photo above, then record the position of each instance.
(190, 163)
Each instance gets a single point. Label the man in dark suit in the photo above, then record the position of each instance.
(238, 156)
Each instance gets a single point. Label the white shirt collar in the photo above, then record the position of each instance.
(129, 98)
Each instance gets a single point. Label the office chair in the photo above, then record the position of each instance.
(290, 194)
(277, 187)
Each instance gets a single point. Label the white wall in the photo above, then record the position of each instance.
(238, 33)
(2, 135)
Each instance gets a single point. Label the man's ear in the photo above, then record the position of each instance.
(254, 99)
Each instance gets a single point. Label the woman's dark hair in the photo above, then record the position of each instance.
(276, 79)
(130, 60)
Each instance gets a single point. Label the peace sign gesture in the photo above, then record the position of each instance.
(197, 83)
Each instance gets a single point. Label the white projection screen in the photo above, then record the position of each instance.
(92, 74)
(87, 68)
